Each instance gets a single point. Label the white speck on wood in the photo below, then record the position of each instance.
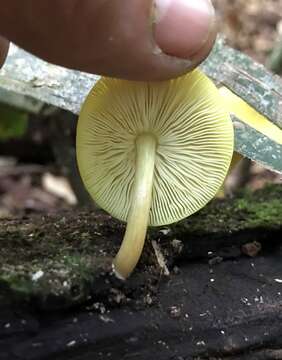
(38, 275)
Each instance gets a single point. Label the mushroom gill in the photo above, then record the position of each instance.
(152, 153)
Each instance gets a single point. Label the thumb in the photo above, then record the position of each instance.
(184, 28)
(132, 39)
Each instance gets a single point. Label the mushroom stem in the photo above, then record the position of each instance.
(138, 216)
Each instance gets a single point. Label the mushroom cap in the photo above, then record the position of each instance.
(194, 137)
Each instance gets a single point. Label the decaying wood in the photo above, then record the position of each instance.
(59, 299)
(35, 83)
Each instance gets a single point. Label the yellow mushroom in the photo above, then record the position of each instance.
(152, 153)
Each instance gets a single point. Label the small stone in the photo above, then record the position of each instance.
(177, 245)
(251, 249)
(106, 319)
(176, 270)
(174, 312)
(37, 344)
(71, 343)
(98, 307)
(165, 231)
(118, 296)
(215, 260)
(148, 299)
(38, 275)
(201, 343)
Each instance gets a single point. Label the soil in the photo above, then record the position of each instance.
(252, 26)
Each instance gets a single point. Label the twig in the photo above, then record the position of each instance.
(160, 258)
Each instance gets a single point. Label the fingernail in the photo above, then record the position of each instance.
(182, 27)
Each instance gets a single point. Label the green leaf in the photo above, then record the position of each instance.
(13, 123)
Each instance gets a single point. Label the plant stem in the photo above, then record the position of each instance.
(138, 217)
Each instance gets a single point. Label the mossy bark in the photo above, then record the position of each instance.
(60, 260)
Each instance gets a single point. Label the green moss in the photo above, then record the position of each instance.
(248, 210)
(262, 210)
(263, 213)
(13, 123)
(82, 267)
(17, 283)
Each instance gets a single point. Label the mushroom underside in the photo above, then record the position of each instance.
(153, 153)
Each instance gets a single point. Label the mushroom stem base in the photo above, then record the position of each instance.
(138, 217)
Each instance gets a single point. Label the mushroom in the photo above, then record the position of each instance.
(152, 153)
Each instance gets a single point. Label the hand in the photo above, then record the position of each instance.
(132, 39)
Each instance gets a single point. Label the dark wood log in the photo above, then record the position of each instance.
(59, 299)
